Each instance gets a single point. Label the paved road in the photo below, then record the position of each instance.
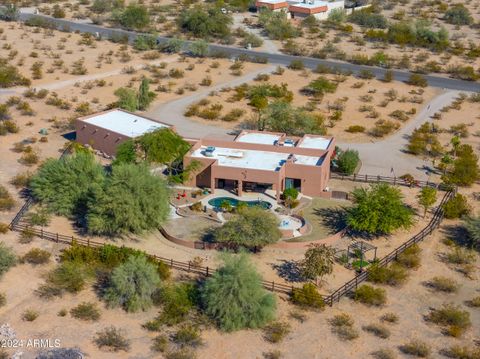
(277, 59)
(378, 158)
(172, 112)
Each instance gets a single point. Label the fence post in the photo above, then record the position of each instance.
(189, 266)
(206, 272)
(72, 239)
(378, 179)
(273, 286)
(366, 178)
(354, 177)
(57, 237)
(88, 242)
(41, 233)
(394, 180)
(171, 262)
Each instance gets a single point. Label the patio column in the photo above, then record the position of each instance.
(278, 194)
(239, 188)
(212, 184)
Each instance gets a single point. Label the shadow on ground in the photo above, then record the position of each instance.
(289, 270)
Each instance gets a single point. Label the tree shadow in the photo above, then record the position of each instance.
(457, 234)
(289, 270)
(335, 219)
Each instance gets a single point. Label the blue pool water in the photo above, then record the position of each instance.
(216, 202)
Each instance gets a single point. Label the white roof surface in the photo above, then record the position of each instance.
(272, 1)
(124, 123)
(319, 143)
(308, 160)
(314, 4)
(260, 138)
(260, 160)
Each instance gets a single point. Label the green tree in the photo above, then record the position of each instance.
(199, 48)
(417, 80)
(280, 116)
(337, 16)
(62, 184)
(318, 262)
(465, 169)
(253, 227)
(126, 153)
(458, 14)
(162, 146)
(132, 284)
(235, 298)
(472, 225)
(427, 198)
(145, 42)
(7, 259)
(378, 210)
(145, 96)
(135, 17)
(347, 161)
(205, 22)
(319, 87)
(127, 99)
(133, 200)
(277, 25)
(456, 207)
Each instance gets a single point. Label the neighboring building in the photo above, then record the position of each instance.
(104, 131)
(319, 9)
(256, 161)
(274, 5)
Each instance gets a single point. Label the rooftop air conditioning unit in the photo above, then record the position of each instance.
(209, 151)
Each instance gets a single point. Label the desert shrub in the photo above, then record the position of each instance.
(183, 353)
(410, 258)
(36, 256)
(86, 311)
(7, 259)
(443, 284)
(296, 65)
(368, 18)
(342, 325)
(113, 339)
(308, 297)
(458, 14)
(355, 129)
(392, 275)
(62, 312)
(177, 302)
(347, 161)
(378, 330)
(455, 320)
(274, 354)
(383, 128)
(460, 255)
(277, 25)
(275, 332)
(369, 295)
(30, 315)
(461, 352)
(252, 39)
(187, 335)
(456, 207)
(233, 115)
(417, 80)
(26, 235)
(10, 76)
(4, 227)
(48, 291)
(213, 22)
(132, 284)
(67, 277)
(29, 158)
(474, 302)
(384, 353)
(3, 300)
(21, 179)
(234, 296)
(159, 343)
(389, 318)
(6, 200)
(416, 348)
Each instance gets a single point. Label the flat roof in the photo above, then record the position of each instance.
(272, 1)
(313, 4)
(253, 159)
(319, 143)
(124, 123)
(308, 160)
(260, 138)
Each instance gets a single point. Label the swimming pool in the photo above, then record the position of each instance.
(216, 202)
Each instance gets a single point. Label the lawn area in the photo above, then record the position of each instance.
(326, 217)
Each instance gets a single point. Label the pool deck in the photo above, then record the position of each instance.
(247, 196)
